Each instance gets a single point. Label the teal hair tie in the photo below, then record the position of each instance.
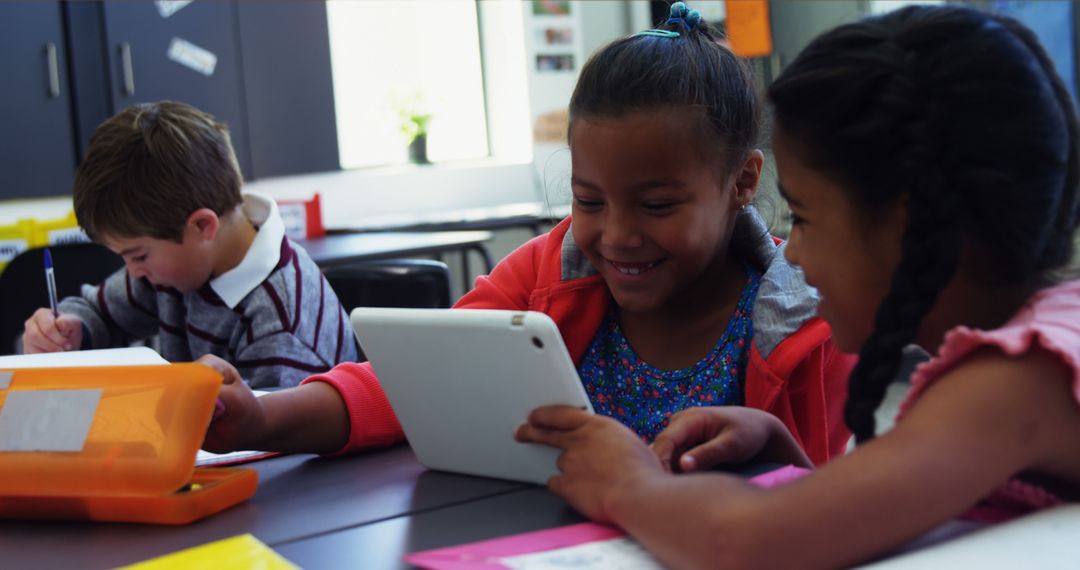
(680, 14)
(658, 33)
(693, 18)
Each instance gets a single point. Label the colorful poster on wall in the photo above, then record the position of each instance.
(555, 62)
(554, 36)
(551, 7)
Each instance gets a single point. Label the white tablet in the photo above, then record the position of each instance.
(461, 380)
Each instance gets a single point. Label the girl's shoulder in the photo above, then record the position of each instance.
(1049, 322)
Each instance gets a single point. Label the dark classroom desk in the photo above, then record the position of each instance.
(341, 248)
(361, 511)
(300, 498)
(530, 215)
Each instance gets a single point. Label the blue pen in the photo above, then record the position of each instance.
(50, 281)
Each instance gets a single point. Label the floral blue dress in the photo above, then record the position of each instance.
(643, 397)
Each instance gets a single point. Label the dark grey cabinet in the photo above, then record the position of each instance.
(37, 145)
(289, 95)
(263, 68)
(191, 55)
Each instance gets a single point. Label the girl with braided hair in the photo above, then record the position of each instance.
(930, 160)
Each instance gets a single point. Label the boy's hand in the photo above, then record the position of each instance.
(45, 332)
(700, 438)
(239, 418)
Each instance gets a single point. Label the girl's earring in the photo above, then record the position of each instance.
(742, 207)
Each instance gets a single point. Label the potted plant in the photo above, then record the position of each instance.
(414, 125)
(416, 129)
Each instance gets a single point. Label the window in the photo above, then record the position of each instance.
(877, 7)
(393, 58)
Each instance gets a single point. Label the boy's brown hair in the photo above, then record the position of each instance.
(150, 166)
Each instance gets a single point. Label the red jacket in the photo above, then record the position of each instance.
(801, 379)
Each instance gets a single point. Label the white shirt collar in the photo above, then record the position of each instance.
(261, 257)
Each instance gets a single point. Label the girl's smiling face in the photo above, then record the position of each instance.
(650, 212)
(847, 254)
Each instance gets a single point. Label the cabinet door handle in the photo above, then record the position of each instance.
(128, 70)
(54, 70)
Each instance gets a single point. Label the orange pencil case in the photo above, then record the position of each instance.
(112, 443)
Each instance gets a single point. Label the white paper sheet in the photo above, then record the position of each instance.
(1044, 540)
(207, 459)
(621, 553)
(102, 357)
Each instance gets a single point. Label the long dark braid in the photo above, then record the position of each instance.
(929, 251)
(929, 258)
(904, 107)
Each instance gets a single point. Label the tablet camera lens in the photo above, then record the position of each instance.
(537, 342)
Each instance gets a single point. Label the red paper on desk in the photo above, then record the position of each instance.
(491, 554)
(303, 218)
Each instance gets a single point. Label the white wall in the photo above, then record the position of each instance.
(40, 208)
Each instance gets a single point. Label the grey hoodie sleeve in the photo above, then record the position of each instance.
(115, 312)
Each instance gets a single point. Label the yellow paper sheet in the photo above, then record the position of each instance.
(243, 551)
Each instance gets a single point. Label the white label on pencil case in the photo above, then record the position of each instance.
(169, 7)
(192, 56)
(5, 379)
(47, 420)
(9, 248)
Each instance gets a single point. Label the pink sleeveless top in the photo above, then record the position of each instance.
(1049, 320)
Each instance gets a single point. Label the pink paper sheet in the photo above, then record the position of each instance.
(485, 555)
(781, 476)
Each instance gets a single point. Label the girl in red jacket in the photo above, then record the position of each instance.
(664, 282)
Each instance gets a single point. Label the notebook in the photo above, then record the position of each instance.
(462, 380)
(131, 356)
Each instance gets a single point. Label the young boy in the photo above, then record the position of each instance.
(207, 269)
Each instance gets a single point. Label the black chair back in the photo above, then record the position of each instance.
(23, 289)
(415, 283)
